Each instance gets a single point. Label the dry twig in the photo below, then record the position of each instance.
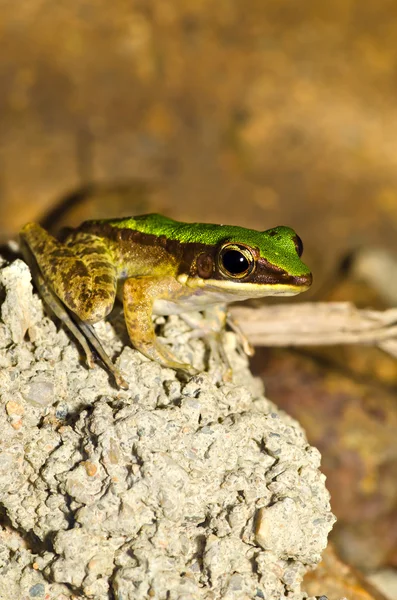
(318, 323)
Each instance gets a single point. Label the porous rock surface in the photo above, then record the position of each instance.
(177, 489)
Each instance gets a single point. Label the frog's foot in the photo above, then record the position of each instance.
(90, 334)
(211, 326)
(60, 311)
(160, 353)
(84, 333)
(219, 361)
(200, 326)
(241, 337)
(212, 321)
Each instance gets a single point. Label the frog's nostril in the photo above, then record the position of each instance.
(304, 280)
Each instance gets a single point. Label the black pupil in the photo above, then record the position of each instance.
(298, 245)
(235, 262)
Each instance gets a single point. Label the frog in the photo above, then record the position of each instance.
(157, 266)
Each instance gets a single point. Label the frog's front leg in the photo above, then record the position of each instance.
(139, 295)
(211, 322)
(211, 326)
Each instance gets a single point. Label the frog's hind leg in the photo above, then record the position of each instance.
(91, 335)
(56, 306)
(81, 331)
(80, 272)
(34, 242)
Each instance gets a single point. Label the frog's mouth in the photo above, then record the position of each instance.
(238, 290)
(264, 284)
(199, 294)
(280, 280)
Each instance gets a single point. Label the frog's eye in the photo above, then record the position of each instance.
(298, 245)
(236, 261)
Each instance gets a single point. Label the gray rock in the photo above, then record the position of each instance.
(175, 488)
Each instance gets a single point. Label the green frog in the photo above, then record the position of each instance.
(157, 266)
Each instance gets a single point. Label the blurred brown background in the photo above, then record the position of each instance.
(252, 112)
(256, 112)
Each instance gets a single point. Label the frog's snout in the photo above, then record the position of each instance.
(303, 281)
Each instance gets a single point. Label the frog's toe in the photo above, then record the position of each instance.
(173, 363)
(169, 360)
(121, 382)
(227, 376)
(90, 359)
(160, 353)
(189, 369)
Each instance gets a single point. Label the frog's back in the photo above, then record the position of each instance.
(189, 233)
(277, 245)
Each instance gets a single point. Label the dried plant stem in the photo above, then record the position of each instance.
(318, 323)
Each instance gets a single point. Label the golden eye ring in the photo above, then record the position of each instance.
(236, 261)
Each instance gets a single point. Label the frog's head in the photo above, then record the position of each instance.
(249, 264)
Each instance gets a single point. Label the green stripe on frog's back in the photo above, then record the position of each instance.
(275, 245)
(188, 233)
